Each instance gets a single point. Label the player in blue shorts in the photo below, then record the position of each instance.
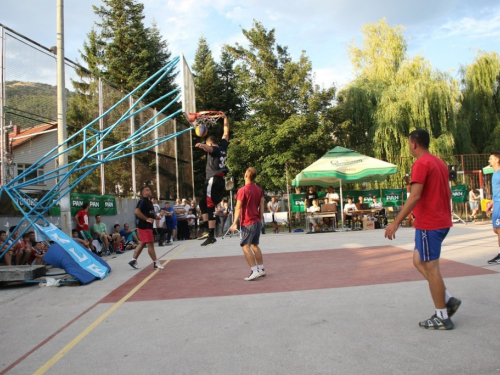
(430, 201)
(495, 185)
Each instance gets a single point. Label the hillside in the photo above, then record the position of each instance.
(30, 103)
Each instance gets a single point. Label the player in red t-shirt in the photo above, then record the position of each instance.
(82, 225)
(430, 200)
(250, 208)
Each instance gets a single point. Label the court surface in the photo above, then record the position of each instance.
(332, 303)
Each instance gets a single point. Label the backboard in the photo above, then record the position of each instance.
(188, 89)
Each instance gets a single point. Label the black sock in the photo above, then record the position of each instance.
(212, 232)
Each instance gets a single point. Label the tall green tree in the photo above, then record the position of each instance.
(124, 52)
(287, 119)
(393, 95)
(479, 116)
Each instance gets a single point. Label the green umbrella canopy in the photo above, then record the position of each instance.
(343, 164)
(488, 170)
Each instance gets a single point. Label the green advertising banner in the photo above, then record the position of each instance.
(392, 197)
(459, 194)
(297, 201)
(99, 204)
(354, 194)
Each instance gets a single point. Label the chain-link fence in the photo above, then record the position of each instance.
(28, 93)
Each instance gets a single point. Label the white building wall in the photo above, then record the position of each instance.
(32, 151)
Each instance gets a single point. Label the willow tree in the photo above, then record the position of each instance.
(393, 95)
(479, 116)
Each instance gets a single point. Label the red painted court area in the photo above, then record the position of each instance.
(307, 270)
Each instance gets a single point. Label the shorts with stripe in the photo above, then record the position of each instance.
(85, 235)
(428, 243)
(495, 216)
(250, 234)
(212, 193)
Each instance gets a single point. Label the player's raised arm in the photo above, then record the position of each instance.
(225, 135)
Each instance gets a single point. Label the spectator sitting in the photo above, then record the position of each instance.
(101, 234)
(348, 208)
(130, 236)
(360, 202)
(20, 249)
(37, 253)
(328, 220)
(25, 249)
(315, 222)
(380, 214)
(3, 246)
(76, 237)
(117, 239)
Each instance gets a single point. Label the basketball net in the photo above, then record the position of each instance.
(207, 118)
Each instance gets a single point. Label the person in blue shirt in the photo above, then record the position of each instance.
(495, 185)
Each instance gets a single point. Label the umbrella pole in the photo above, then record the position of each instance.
(341, 206)
(289, 201)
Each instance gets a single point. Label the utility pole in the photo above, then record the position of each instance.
(65, 222)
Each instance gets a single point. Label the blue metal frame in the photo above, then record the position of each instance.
(134, 144)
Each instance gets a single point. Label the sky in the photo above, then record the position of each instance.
(448, 33)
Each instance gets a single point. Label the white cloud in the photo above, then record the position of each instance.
(471, 27)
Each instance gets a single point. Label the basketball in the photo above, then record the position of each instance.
(201, 131)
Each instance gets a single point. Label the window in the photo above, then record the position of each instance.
(21, 167)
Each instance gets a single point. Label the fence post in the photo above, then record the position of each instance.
(157, 150)
(176, 161)
(3, 180)
(134, 185)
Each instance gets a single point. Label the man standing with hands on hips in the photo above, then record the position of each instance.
(430, 202)
(250, 208)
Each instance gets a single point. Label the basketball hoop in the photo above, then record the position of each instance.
(207, 118)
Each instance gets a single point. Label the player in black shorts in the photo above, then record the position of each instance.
(214, 182)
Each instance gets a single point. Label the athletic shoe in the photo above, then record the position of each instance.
(209, 241)
(435, 322)
(157, 265)
(495, 260)
(204, 236)
(161, 244)
(108, 253)
(168, 243)
(120, 251)
(452, 306)
(133, 263)
(262, 273)
(253, 276)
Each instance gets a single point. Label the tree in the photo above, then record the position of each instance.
(122, 51)
(287, 120)
(480, 105)
(393, 95)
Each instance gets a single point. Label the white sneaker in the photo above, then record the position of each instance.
(262, 273)
(157, 265)
(253, 276)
